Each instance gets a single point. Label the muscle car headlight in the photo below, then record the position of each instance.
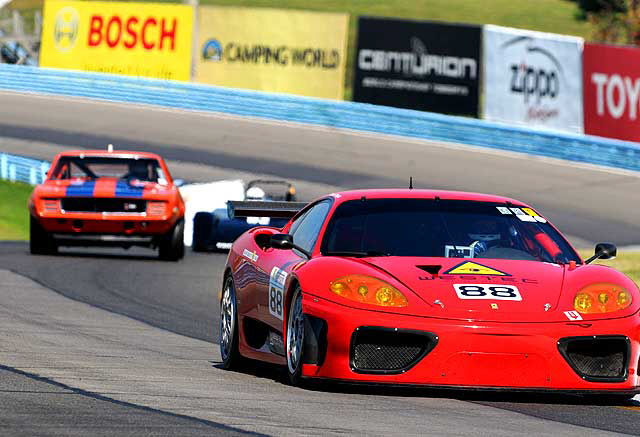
(51, 205)
(369, 290)
(601, 298)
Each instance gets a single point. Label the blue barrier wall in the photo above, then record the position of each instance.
(20, 169)
(348, 115)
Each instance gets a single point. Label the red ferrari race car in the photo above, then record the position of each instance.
(432, 288)
(107, 198)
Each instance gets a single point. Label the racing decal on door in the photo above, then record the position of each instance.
(487, 291)
(251, 255)
(471, 268)
(276, 292)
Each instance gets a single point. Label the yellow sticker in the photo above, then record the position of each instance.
(471, 268)
(494, 306)
(534, 214)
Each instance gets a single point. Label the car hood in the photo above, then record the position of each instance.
(103, 187)
(479, 289)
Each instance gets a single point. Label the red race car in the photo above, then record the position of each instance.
(432, 288)
(107, 198)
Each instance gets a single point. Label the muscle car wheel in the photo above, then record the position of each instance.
(295, 337)
(40, 243)
(172, 245)
(229, 326)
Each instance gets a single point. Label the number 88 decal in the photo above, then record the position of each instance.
(487, 291)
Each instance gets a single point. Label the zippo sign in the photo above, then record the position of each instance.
(612, 91)
(533, 78)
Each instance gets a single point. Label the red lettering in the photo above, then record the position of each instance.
(165, 33)
(148, 22)
(115, 20)
(131, 31)
(95, 30)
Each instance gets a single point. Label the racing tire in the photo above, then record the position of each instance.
(40, 242)
(202, 224)
(294, 347)
(228, 337)
(171, 247)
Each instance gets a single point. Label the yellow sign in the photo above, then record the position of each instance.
(134, 39)
(471, 268)
(286, 51)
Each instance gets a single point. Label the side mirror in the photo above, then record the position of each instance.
(178, 182)
(603, 251)
(284, 242)
(281, 241)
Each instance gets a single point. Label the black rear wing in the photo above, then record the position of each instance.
(261, 208)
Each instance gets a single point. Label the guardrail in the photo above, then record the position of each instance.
(347, 115)
(20, 169)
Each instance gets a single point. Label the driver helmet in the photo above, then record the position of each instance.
(485, 230)
(255, 193)
(138, 170)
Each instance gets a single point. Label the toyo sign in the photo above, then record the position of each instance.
(612, 91)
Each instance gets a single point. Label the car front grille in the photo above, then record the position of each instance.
(597, 358)
(109, 205)
(385, 350)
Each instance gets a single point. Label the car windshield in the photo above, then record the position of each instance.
(74, 167)
(443, 228)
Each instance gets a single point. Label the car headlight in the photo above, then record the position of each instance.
(602, 298)
(368, 290)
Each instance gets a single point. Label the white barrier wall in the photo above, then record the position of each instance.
(533, 78)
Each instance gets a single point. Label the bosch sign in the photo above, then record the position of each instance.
(612, 91)
(135, 39)
(533, 78)
(129, 32)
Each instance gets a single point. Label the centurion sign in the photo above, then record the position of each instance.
(612, 91)
(418, 65)
(533, 78)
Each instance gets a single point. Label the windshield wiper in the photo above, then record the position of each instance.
(356, 253)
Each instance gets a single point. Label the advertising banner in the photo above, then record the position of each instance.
(418, 65)
(612, 91)
(533, 78)
(286, 51)
(134, 39)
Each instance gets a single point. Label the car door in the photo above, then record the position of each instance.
(305, 231)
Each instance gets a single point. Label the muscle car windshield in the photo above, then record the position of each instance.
(73, 167)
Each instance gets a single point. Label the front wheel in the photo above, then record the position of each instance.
(228, 341)
(40, 242)
(171, 247)
(295, 338)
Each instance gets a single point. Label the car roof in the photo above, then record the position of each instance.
(408, 193)
(106, 154)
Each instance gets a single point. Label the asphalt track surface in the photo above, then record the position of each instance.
(590, 203)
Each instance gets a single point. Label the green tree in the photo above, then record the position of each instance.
(613, 21)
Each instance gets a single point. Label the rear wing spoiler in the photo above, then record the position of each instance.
(260, 208)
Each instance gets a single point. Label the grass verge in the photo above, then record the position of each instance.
(627, 262)
(14, 216)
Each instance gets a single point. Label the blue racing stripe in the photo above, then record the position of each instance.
(123, 189)
(84, 189)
